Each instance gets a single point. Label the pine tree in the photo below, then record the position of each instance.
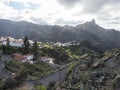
(8, 45)
(26, 45)
(35, 50)
(0, 57)
(6, 48)
(3, 49)
(8, 42)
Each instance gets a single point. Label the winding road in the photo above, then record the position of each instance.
(56, 77)
(3, 73)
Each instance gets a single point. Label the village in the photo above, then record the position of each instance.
(37, 59)
(29, 57)
(23, 58)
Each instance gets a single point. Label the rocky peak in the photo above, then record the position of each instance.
(93, 21)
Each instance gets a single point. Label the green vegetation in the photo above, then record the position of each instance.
(0, 57)
(58, 53)
(41, 87)
(72, 66)
(51, 85)
(14, 66)
(62, 55)
(26, 45)
(34, 71)
(35, 51)
(97, 73)
(79, 50)
(6, 48)
(15, 81)
(1, 84)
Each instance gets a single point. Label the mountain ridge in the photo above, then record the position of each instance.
(98, 36)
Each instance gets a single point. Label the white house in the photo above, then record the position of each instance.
(47, 60)
(24, 58)
(14, 44)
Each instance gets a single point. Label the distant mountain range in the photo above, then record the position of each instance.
(90, 31)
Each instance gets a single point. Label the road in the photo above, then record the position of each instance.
(3, 73)
(57, 77)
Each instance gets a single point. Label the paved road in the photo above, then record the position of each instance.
(57, 77)
(3, 73)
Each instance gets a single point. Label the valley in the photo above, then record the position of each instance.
(85, 64)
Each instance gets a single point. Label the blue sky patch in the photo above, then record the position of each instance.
(17, 5)
(20, 6)
(34, 6)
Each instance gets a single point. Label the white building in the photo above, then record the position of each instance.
(24, 58)
(14, 44)
(47, 60)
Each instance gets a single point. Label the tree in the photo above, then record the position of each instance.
(18, 79)
(6, 48)
(26, 45)
(51, 85)
(1, 84)
(0, 57)
(9, 84)
(35, 50)
(3, 49)
(8, 43)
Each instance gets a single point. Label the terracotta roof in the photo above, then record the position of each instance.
(18, 57)
(18, 42)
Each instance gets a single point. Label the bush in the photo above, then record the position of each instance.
(18, 79)
(41, 87)
(1, 84)
(51, 84)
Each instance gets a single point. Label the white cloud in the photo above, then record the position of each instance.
(6, 11)
(106, 12)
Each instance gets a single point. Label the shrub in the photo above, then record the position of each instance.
(41, 87)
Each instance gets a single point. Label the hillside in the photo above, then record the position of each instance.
(101, 73)
(98, 36)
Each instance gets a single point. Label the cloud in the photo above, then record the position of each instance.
(16, 5)
(7, 11)
(61, 21)
(39, 21)
(88, 6)
(20, 5)
(68, 3)
(106, 12)
(33, 6)
(93, 6)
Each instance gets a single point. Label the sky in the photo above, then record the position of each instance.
(62, 12)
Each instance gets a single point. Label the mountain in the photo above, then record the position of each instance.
(98, 36)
